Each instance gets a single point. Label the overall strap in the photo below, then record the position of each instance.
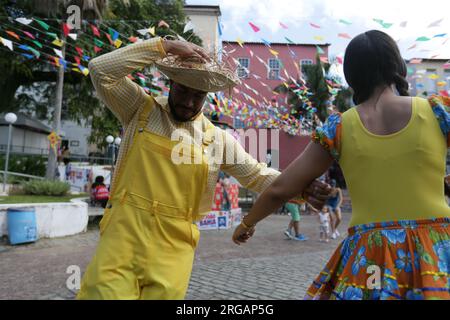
(144, 114)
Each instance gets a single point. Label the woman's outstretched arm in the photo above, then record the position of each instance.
(312, 163)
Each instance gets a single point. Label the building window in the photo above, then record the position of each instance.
(274, 69)
(306, 62)
(243, 68)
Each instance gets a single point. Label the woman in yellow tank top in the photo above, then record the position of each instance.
(392, 149)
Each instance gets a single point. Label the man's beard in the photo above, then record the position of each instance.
(178, 118)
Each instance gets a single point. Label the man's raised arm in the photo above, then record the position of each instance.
(109, 75)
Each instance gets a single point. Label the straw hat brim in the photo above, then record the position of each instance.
(198, 78)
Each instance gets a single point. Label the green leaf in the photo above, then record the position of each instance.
(370, 241)
(378, 239)
(434, 236)
(427, 258)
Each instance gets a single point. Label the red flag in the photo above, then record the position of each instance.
(95, 31)
(109, 38)
(97, 49)
(314, 25)
(255, 28)
(79, 50)
(443, 93)
(66, 29)
(77, 60)
(133, 39)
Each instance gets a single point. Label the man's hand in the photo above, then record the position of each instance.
(185, 49)
(317, 193)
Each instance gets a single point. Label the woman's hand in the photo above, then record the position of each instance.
(242, 234)
(185, 49)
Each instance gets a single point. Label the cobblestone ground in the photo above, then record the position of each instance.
(268, 267)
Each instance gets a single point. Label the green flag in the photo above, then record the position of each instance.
(42, 23)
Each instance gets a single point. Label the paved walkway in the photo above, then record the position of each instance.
(268, 267)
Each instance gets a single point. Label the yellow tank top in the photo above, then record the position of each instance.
(398, 176)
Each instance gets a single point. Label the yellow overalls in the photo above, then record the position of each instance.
(147, 234)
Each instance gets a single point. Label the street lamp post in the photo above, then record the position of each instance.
(10, 118)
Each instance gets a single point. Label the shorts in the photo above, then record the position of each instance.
(324, 228)
(293, 210)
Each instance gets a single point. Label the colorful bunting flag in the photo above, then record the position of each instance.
(42, 24)
(58, 43)
(345, 22)
(289, 40)
(73, 36)
(7, 43)
(435, 23)
(38, 44)
(314, 25)
(283, 25)
(255, 28)
(113, 33)
(58, 53)
(13, 34)
(240, 42)
(29, 35)
(344, 35)
(423, 39)
(66, 29)
(24, 21)
(95, 31)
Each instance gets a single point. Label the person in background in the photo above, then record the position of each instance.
(292, 208)
(324, 227)
(335, 202)
(99, 192)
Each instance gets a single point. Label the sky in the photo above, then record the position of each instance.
(298, 14)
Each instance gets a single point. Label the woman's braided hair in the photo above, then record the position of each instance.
(373, 59)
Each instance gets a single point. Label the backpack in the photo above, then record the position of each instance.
(101, 192)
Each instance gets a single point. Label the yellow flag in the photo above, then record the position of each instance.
(152, 31)
(441, 83)
(433, 76)
(275, 53)
(58, 42)
(240, 42)
(118, 43)
(319, 38)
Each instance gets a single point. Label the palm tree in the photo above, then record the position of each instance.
(90, 9)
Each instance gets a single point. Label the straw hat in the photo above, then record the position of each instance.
(191, 72)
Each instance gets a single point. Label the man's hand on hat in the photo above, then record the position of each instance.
(185, 49)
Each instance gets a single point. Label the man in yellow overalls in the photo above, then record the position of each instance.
(148, 233)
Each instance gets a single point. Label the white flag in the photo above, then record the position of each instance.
(58, 53)
(73, 36)
(7, 43)
(188, 26)
(24, 21)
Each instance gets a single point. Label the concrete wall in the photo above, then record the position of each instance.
(52, 219)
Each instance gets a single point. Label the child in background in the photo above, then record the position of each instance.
(324, 219)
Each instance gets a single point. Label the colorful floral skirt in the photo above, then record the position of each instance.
(389, 261)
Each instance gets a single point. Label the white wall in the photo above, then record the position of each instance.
(52, 219)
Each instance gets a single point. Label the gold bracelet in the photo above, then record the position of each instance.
(245, 225)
